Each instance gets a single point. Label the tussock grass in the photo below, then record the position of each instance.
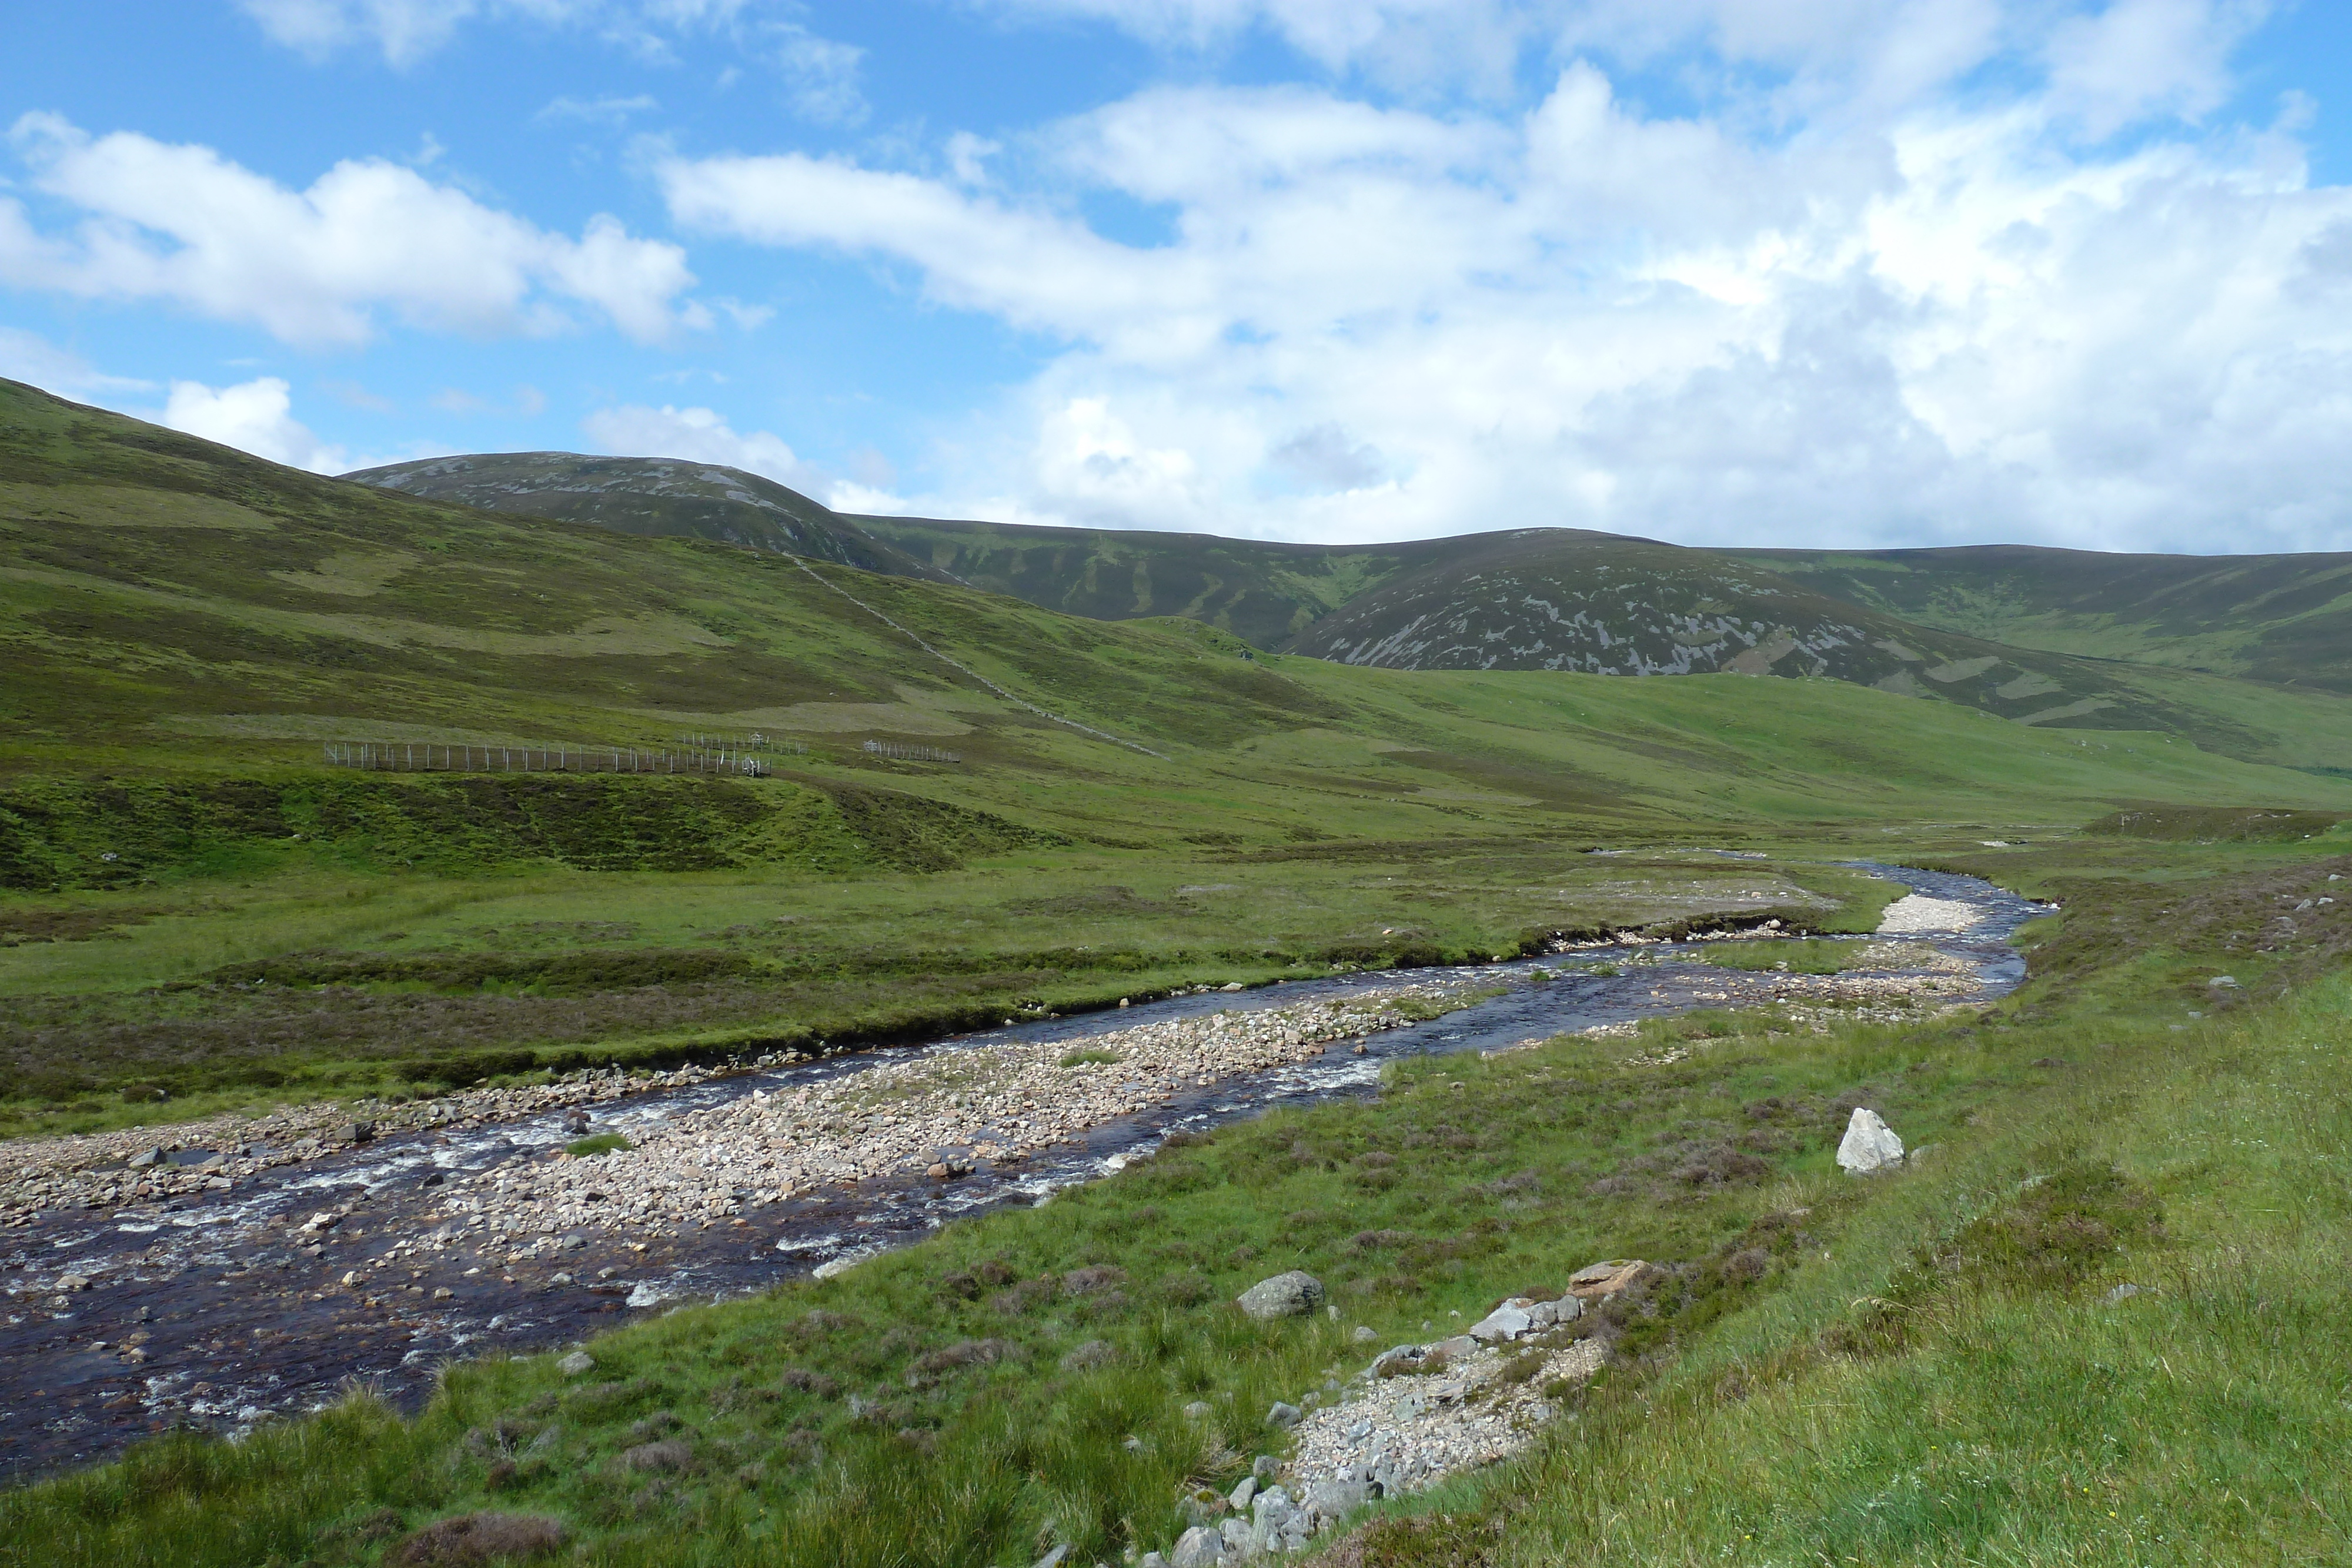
(1960, 1380)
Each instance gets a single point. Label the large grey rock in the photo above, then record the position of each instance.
(1053, 1558)
(1336, 1499)
(1197, 1548)
(1508, 1322)
(145, 1157)
(1244, 1490)
(1869, 1144)
(1285, 1414)
(578, 1362)
(1283, 1296)
(1236, 1533)
(1152, 1559)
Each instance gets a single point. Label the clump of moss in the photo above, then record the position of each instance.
(602, 1144)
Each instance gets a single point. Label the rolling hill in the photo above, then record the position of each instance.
(172, 602)
(671, 498)
(1534, 599)
(2285, 619)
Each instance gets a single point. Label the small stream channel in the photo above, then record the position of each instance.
(218, 1313)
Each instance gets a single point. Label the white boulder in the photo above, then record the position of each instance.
(1869, 1145)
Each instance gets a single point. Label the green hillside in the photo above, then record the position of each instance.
(668, 496)
(186, 629)
(2044, 637)
(1264, 592)
(2285, 619)
(199, 914)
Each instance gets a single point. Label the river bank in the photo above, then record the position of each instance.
(262, 1283)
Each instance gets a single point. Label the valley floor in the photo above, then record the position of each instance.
(1942, 1365)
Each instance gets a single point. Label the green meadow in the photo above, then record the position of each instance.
(1934, 1366)
(198, 913)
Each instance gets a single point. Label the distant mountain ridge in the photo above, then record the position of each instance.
(1920, 623)
(652, 497)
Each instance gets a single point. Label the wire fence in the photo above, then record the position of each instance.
(427, 757)
(910, 753)
(754, 741)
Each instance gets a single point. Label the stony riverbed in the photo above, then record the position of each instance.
(252, 1266)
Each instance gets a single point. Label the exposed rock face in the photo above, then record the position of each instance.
(1596, 1281)
(1283, 1296)
(1870, 1145)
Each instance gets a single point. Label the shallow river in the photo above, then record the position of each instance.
(216, 1313)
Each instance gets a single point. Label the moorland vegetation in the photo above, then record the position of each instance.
(1935, 1366)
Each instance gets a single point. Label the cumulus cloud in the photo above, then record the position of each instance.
(256, 416)
(1908, 314)
(699, 435)
(319, 266)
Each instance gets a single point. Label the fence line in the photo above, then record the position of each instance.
(413, 757)
(755, 741)
(911, 753)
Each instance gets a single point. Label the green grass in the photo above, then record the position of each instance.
(1090, 1058)
(179, 627)
(601, 1144)
(1919, 1370)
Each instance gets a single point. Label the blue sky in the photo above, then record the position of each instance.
(1768, 271)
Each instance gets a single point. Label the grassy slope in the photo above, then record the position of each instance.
(2285, 619)
(1295, 803)
(1849, 1403)
(181, 625)
(1264, 592)
(666, 497)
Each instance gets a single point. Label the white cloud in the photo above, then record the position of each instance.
(1409, 40)
(367, 239)
(1914, 315)
(254, 416)
(611, 108)
(699, 435)
(402, 29)
(405, 31)
(865, 500)
(30, 358)
(2139, 56)
(820, 76)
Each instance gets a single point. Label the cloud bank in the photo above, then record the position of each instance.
(1846, 302)
(318, 268)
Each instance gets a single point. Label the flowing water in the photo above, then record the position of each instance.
(218, 1313)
